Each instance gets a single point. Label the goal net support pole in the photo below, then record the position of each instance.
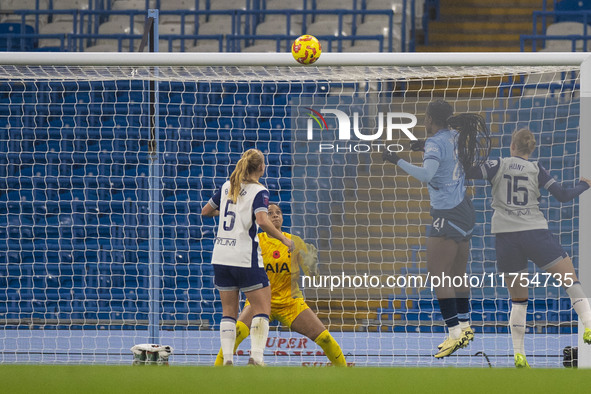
(155, 188)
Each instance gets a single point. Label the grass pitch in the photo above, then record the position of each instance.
(177, 379)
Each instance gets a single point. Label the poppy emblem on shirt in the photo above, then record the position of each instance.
(276, 254)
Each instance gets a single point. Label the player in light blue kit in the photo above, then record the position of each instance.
(522, 233)
(456, 143)
(242, 204)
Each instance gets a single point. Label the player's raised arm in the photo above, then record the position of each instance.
(483, 171)
(306, 256)
(565, 194)
(423, 174)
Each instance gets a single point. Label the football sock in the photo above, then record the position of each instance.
(517, 324)
(331, 348)
(228, 337)
(259, 330)
(580, 303)
(242, 332)
(463, 308)
(449, 311)
(455, 331)
(219, 359)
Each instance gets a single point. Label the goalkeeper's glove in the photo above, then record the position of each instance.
(310, 259)
(392, 157)
(417, 146)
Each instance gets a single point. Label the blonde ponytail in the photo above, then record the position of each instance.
(249, 163)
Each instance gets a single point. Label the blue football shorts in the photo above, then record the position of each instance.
(239, 278)
(456, 223)
(514, 249)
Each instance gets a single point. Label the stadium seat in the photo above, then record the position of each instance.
(139, 18)
(372, 29)
(565, 29)
(169, 45)
(572, 5)
(286, 4)
(297, 5)
(175, 29)
(330, 28)
(61, 28)
(7, 6)
(559, 46)
(276, 26)
(228, 5)
(119, 23)
(327, 28)
(120, 5)
(207, 46)
(334, 5)
(122, 27)
(264, 46)
(395, 5)
(68, 5)
(181, 5)
(9, 40)
(367, 46)
(222, 24)
(106, 47)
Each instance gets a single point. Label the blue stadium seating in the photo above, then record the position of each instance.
(85, 30)
(571, 5)
(16, 37)
(77, 203)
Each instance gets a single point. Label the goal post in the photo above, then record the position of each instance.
(585, 200)
(78, 198)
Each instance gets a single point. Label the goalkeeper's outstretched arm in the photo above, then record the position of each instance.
(306, 256)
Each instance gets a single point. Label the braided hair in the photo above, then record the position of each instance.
(473, 140)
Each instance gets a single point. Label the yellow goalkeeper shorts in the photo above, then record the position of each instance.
(287, 310)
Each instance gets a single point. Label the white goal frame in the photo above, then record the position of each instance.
(332, 59)
(364, 59)
(585, 200)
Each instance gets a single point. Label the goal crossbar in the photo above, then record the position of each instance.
(285, 59)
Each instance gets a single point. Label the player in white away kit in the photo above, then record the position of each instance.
(242, 205)
(522, 232)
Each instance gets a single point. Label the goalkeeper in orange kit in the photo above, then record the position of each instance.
(287, 303)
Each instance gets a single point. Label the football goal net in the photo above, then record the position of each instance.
(107, 160)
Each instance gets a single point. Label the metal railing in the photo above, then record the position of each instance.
(85, 24)
(541, 21)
